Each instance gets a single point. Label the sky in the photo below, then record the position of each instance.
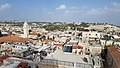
(95, 11)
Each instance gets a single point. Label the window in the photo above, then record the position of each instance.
(67, 48)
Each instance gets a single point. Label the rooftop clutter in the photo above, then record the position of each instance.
(36, 46)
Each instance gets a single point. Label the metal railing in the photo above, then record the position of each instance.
(66, 63)
(57, 62)
(83, 65)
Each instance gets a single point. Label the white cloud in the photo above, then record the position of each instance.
(115, 7)
(106, 8)
(69, 9)
(107, 13)
(5, 6)
(112, 8)
(92, 11)
(96, 11)
(61, 7)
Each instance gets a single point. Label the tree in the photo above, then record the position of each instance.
(83, 24)
(38, 35)
(106, 46)
(1, 34)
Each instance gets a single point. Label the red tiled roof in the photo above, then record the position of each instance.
(13, 39)
(3, 57)
(33, 33)
(23, 64)
(57, 44)
(115, 55)
(77, 47)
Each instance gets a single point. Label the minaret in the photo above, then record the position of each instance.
(26, 30)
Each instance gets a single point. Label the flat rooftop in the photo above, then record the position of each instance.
(62, 56)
